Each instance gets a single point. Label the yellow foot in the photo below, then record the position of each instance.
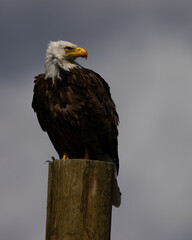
(64, 157)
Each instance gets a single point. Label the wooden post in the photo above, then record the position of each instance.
(79, 200)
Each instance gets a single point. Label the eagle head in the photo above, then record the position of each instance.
(62, 54)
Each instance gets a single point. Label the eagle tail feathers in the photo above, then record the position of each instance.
(116, 194)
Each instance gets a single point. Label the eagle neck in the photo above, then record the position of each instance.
(53, 66)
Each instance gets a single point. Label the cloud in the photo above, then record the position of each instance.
(145, 55)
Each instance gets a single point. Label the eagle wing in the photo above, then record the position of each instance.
(108, 138)
(40, 101)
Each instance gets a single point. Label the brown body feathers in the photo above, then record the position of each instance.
(78, 114)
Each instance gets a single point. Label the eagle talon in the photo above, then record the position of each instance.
(54, 160)
(64, 157)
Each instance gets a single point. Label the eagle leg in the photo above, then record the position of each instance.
(86, 156)
(64, 157)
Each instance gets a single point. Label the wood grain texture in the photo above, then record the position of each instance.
(79, 200)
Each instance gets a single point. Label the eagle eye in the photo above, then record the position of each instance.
(68, 48)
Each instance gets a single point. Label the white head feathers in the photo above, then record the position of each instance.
(63, 54)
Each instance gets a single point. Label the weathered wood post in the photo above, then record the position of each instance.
(79, 200)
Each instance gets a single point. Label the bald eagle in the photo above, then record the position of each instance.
(74, 106)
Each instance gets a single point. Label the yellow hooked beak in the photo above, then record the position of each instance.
(78, 52)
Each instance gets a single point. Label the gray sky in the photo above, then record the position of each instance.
(143, 49)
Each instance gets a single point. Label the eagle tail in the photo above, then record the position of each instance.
(116, 194)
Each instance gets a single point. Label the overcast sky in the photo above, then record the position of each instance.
(143, 49)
